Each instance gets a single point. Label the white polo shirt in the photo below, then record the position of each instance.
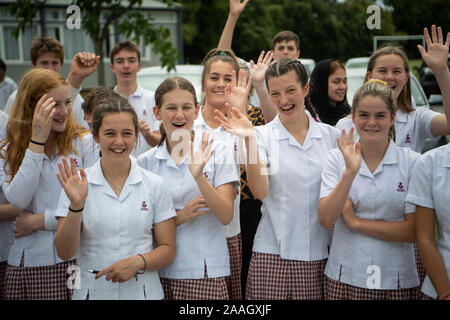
(201, 241)
(7, 86)
(115, 228)
(430, 187)
(375, 196)
(143, 102)
(234, 146)
(6, 227)
(289, 226)
(36, 188)
(411, 129)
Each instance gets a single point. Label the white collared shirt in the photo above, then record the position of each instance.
(7, 86)
(411, 129)
(115, 228)
(234, 145)
(201, 241)
(143, 102)
(6, 227)
(36, 188)
(289, 225)
(430, 188)
(375, 196)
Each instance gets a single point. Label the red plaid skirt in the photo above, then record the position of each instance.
(195, 289)
(335, 290)
(3, 265)
(38, 283)
(272, 278)
(234, 282)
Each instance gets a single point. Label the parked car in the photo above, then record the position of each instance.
(309, 65)
(360, 62)
(151, 77)
(428, 80)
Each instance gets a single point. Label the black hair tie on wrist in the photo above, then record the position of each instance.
(38, 143)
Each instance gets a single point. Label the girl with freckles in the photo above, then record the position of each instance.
(202, 186)
(363, 194)
(290, 246)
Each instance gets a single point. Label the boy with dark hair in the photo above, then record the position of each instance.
(125, 64)
(7, 85)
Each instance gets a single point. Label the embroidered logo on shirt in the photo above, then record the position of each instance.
(205, 174)
(144, 206)
(76, 162)
(407, 139)
(400, 187)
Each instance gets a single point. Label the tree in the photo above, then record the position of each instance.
(130, 22)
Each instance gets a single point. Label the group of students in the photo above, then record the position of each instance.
(226, 200)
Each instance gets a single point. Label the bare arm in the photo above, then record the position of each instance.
(8, 212)
(226, 38)
(432, 259)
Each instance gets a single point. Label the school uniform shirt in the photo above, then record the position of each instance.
(380, 195)
(36, 188)
(77, 102)
(6, 227)
(3, 122)
(430, 188)
(289, 225)
(235, 146)
(411, 129)
(7, 86)
(202, 241)
(143, 102)
(118, 227)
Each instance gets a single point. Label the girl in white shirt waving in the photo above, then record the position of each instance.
(40, 130)
(111, 214)
(363, 194)
(290, 246)
(201, 183)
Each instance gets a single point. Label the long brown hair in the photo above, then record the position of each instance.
(167, 86)
(32, 87)
(404, 102)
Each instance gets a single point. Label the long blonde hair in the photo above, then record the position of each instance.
(32, 87)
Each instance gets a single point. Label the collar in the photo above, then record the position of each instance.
(139, 92)
(95, 175)
(390, 157)
(314, 131)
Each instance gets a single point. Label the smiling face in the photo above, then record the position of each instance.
(373, 119)
(215, 82)
(391, 69)
(63, 107)
(126, 66)
(116, 136)
(177, 112)
(337, 86)
(288, 95)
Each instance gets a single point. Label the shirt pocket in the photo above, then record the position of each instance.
(144, 216)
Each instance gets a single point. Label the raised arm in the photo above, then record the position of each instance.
(67, 236)
(436, 58)
(332, 206)
(83, 65)
(238, 124)
(257, 72)
(226, 38)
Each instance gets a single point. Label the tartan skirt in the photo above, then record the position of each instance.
(38, 283)
(195, 289)
(272, 278)
(3, 265)
(336, 290)
(234, 281)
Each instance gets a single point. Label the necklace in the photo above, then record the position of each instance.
(117, 187)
